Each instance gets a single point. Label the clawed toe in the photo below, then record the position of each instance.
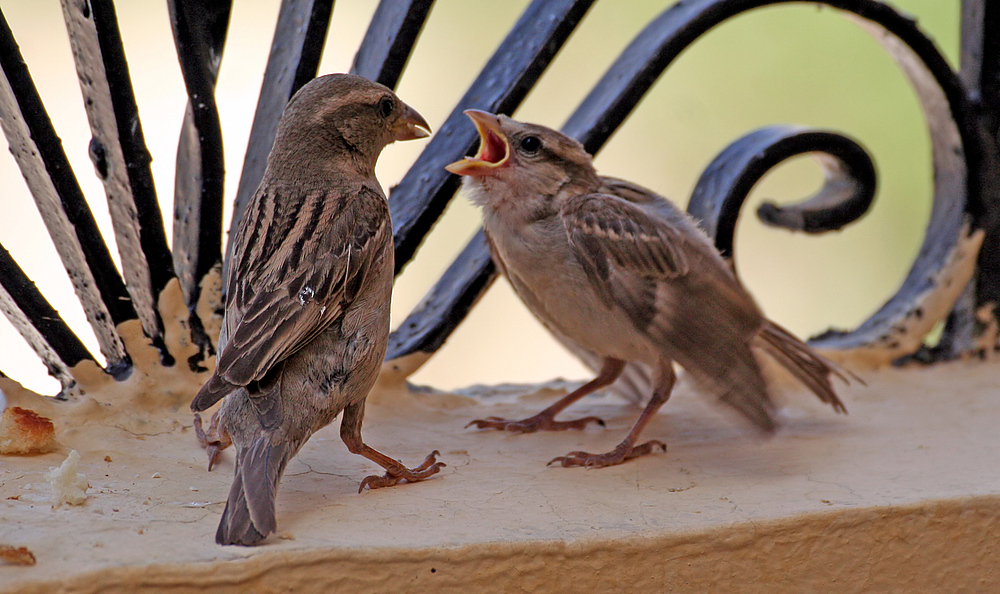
(618, 455)
(393, 476)
(212, 440)
(539, 422)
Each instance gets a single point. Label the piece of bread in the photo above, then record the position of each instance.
(24, 431)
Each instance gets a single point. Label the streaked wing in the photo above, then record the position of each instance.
(302, 259)
(610, 230)
(676, 290)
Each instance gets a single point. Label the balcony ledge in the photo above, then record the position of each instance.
(901, 495)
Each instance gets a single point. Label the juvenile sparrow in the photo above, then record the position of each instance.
(307, 312)
(619, 271)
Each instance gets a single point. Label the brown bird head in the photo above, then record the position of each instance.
(343, 113)
(523, 165)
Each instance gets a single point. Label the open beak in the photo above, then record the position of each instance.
(494, 150)
(411, 125)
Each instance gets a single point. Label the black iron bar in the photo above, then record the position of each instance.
(121, 160)
(39, 323)
(67, 216)
(296, 49)
(389, 40)
(199, 34)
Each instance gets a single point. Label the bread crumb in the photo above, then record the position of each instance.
(68, 486)
(16, 556)
(24, 431)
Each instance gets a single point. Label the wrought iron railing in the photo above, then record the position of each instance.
(962, 111)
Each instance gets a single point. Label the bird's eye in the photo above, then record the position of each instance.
(385, 107)
(531, 144)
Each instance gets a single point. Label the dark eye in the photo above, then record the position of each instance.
(385, 107)
(531, 144)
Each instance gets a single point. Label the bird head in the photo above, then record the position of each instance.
(338, 112)
(522, 163)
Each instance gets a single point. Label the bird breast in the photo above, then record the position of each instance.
(542, 269)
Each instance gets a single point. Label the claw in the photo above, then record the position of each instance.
(539, 422)
(213, 441)
(393, 476)
(622, 453)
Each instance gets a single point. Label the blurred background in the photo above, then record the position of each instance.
(801, 64)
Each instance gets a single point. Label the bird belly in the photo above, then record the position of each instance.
(341, 365)
(554, 286)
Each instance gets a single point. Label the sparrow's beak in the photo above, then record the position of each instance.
(494, 150)
(411, 125)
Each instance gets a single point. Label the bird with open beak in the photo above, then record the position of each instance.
(619, 272)
(307, 311)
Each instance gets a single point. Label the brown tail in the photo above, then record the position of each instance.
(249, 515)
(809, 367)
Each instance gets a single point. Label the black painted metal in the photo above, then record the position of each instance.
(677, 27)
(389, 40)
(199, 33)
(441, 311)
(964, 130)
(727, 181)
(120, 158)
(296, 49)
(38, 322)
(420, 198)
(980, 71)
(69, 220)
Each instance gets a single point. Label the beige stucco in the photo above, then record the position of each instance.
(901, 495)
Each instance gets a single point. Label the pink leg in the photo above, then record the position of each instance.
(627, 449)
(350, 432)
(545, 420)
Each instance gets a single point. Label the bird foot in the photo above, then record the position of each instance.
(212, 440)
(540, 422)
(620, 454)
(395, 475)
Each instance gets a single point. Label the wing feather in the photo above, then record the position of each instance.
(665, 276)
(289, 294)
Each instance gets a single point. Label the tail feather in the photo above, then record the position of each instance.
(806, 365)
(745, 390)
(250, 511)
(214, 390)
(734, 375)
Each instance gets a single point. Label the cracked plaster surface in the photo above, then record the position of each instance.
(914, 437)
(903, 493)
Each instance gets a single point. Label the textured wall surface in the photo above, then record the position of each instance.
(901, 495)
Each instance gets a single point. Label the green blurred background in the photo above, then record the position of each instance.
(800, 64)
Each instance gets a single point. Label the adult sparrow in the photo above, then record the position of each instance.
(617, 270)
(307, 312)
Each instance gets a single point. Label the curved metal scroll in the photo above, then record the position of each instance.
(965, 160)
(966, 195)
(846, 195)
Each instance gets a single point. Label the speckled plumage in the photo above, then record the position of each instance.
(618, 272)
(307, 311)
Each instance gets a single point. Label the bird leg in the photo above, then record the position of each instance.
(213, 441)
(545, 420)
(350, 432)
(627, 449)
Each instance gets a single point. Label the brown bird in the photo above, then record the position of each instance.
(307, 312)
(616, 270)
